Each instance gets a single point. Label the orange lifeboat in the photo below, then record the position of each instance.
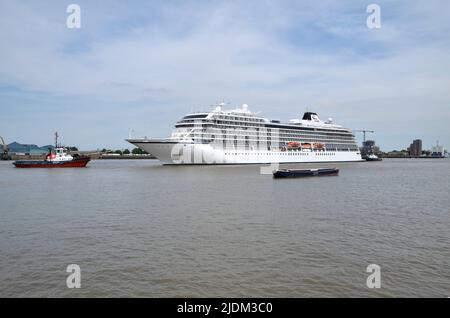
(293, 145)
(306, 145)
(319, 146)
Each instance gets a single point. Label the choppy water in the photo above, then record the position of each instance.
(137, 228)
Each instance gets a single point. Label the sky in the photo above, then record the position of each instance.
(142, 65)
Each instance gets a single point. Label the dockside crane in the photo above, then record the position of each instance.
(364, 133)
(4, 149)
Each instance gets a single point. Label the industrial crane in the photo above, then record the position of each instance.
(364, 133)
(5, 149)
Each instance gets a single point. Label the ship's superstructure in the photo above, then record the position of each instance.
(240, 136)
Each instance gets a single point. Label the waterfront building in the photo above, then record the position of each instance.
(415, 149)
(29, 149)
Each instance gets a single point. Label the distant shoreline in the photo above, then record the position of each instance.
(94, 156)
(410, 157)
(115, 157)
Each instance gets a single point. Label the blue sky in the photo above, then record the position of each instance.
(144, 64)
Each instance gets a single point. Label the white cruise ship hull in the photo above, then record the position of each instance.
(172, 152)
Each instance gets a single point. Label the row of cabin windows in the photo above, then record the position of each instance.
(287, 133)
(259, 124)
(238, 118)
(256, 133)
(281, 136)
(293, 130)
(281, 153)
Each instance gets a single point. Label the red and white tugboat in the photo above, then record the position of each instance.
(59, 157)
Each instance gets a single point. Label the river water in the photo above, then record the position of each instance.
(139, 229)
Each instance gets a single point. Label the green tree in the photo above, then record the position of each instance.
(118, 152)
(126, 152)
(138, 151)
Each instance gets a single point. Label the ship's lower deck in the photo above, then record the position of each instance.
(169, 152)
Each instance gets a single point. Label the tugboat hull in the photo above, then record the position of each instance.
(75, 163)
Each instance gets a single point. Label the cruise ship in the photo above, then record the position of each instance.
(240, 136)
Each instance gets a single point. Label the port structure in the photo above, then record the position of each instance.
(4, 155)
(364, 131)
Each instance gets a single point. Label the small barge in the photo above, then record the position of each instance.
(296, 173)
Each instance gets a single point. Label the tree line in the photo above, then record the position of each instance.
(135, 151)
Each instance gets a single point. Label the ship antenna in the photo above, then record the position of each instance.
(56, 139)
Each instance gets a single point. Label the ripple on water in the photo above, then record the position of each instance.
(139, 229)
